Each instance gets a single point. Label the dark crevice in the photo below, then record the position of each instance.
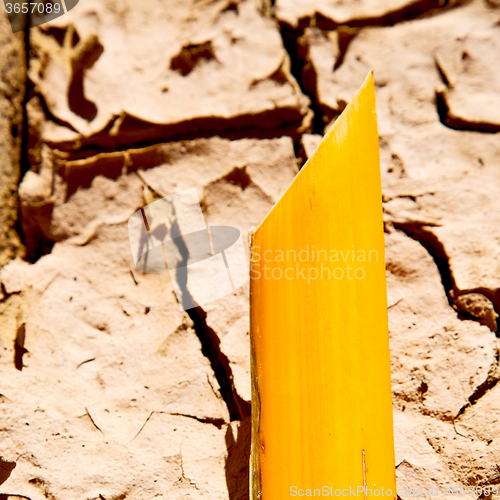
(137, 133)
(210, 342)
(50, 117)
(232, 6)
(218, 422)
(25, 165)
(447, 118)
(417, 10)
(60, 33)
(6, 469)
(87, 57)
(304, 74)
(210, 347)
(3, 293)
(19, 349)
(445, 114)
(491, 381)
(345, 36)
(442, 73)
(191, 56)
(442, 108)
(35, 231)
(239, 177)
(24, 162)
(300, 154)
(77, 101)
(237, 463)
(419, 232)
(12, 496)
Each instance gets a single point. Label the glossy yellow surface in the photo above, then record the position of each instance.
(320, 345)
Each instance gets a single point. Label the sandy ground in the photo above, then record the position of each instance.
(107, 389)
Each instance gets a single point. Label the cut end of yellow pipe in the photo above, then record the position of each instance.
(321, 407)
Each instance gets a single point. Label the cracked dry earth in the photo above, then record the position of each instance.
(109, 391)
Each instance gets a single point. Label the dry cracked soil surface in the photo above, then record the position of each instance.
(107, 390)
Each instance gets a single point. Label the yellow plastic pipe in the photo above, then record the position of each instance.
(322, 412)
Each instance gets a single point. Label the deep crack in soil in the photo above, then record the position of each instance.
(418, 232)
